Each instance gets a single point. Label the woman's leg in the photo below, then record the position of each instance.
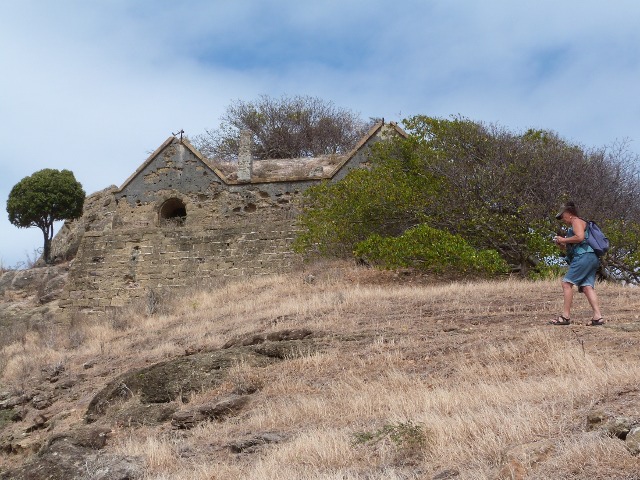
(590, 293)
(567, 290)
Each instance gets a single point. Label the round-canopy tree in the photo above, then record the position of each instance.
(43, 198)
(285, 127)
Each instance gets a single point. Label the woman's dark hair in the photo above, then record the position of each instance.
(571, 208)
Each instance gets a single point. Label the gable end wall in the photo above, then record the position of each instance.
(230, 230)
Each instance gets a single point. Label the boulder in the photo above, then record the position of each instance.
(42, 401)
(88, 437)
(173, 379)
(519, 459)
(253, 443)
(223, 407)
(138, 415)
(258, 338)
(74, 455)
(176, 379)
(615, 426)
(447, 474)
(633, 440)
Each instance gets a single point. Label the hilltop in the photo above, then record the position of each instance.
(332, 372)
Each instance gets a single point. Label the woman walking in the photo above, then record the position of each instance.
(583, 265)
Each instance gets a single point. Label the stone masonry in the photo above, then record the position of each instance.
(179, 221)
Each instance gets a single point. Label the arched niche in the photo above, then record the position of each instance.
(172, 212)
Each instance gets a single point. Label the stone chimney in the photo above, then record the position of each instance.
(245, 160)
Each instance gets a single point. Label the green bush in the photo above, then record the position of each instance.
(401, 434)
(392, 196)
(622, 262)
(6, 417)
(430, 250)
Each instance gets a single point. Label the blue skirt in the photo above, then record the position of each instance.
(582, 270)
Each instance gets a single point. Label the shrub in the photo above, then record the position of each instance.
(622, 262)
(431, 250)
(401, 434)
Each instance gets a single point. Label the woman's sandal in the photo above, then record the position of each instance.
(560, 321)
(596, 322)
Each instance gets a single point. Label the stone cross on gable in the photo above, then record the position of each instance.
(180, 132)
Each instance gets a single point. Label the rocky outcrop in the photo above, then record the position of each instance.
(29, 299)
(151, 396)
(45, 284)
(253, 443)
(624, 427)
(97, 216)
(260, 338)
(172, 380)
(177, 379)
(633, 440)
(522, 458)
(76, 455)
(222, 408)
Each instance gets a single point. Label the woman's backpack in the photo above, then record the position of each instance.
(597, 239)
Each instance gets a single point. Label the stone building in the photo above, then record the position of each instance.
(180, 220)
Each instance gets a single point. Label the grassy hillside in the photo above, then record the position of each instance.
(398, 378)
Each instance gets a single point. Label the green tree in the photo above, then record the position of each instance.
(285, 127)
(503, 186)
(42, 198)
(623, 260)
(491, 199)
(387, 199)
(496, 189)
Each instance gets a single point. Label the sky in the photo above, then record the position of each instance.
(95, 87)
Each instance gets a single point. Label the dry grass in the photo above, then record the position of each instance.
(415, 378)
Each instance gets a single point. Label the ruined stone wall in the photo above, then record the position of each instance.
(98, 211)
(113, 267)
(222, 207)
(232, 233)
(226, 231)
(130, 241)
(177, 173)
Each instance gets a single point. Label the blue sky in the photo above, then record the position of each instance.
(95, 86)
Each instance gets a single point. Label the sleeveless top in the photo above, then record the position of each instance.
(575, 249)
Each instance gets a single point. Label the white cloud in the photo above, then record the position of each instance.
(95, 86)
